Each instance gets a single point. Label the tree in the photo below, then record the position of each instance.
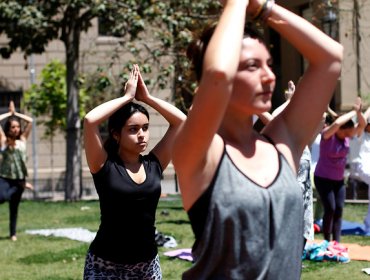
(31, 24)
(48, 100)
(170, 26)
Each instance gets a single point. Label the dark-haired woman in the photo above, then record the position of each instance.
(239, 187)
(329, 171)
(127, 182)
(13, 170)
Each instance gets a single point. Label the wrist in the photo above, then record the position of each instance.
(263, 11)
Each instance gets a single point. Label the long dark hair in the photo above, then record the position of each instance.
(8, 124)
(197, 48)
(117, 121)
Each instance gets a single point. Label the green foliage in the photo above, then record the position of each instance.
(156, 33)
(158, 43)
(48, 100)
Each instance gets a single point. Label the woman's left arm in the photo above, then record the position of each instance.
(27, 129)
(173, 116)
(361, 121)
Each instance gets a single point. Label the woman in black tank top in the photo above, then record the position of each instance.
(249, 184)
(127, 182)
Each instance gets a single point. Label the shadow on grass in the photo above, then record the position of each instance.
(57, 278)
(175, 222)
(170, 207)
(68, 255)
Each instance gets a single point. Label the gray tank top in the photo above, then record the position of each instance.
(249, 232)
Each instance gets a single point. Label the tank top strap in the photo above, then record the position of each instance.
(268, 138)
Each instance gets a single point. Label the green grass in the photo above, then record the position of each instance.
(50, 258)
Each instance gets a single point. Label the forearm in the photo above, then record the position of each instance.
(312, 43)
(5, 115)
(367, 114)
(102, 112)
(361, 123)
(173, 115)
(229, 32)
(23, 117)
(345, 118)
(265, 117)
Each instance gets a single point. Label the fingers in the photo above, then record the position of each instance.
(134, 73)
(358, 104)
(131, 84)
(11, 106)
(291, 86)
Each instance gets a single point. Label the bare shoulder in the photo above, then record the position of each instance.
(280, 136)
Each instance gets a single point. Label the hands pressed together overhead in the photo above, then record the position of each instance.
(135, 86)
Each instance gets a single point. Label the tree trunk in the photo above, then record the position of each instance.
(73, 179)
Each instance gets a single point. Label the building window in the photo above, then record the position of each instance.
(6, 97)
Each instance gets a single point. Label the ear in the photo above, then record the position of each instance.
(115, 136)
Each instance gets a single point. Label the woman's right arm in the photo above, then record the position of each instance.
(94, 146)
(198, 133)
(3, 117)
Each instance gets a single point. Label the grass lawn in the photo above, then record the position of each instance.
(51, 258)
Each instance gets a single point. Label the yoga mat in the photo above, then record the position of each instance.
(184, 254)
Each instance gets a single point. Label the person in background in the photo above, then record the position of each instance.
(128, 183)
(362, 164)
(13, 170)
(304, 169)
(329, 172)
(238, 186)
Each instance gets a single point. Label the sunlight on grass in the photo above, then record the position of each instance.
(51, 258)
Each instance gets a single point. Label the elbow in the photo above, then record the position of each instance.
(87, 121)
(335, 60)
(219, 76)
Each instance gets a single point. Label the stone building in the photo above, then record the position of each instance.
(47, 161)
(345, 20)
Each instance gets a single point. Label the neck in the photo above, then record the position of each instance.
(237, 130)
(129, 159)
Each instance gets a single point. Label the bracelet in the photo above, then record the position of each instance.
(264, 12)
(259, 10)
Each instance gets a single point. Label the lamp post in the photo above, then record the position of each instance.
(329, 19)
(34, 149)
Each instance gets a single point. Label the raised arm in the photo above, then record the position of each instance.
(174, 117)
(324, 56)
(330, 130)
(2, 133)
(214, 91)
(367, 115)
(94, 146)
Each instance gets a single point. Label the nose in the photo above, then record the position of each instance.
(141, 132)
(268, 75)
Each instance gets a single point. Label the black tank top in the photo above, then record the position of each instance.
(127, 230)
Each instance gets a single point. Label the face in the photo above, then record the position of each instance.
(344, 133)
(254, 81)
(134, 135)
(14, 129)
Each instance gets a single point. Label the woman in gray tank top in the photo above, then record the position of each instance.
(239, 187)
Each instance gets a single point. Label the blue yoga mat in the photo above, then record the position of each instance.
(349, 228)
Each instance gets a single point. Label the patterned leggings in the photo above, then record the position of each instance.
(97, 268)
